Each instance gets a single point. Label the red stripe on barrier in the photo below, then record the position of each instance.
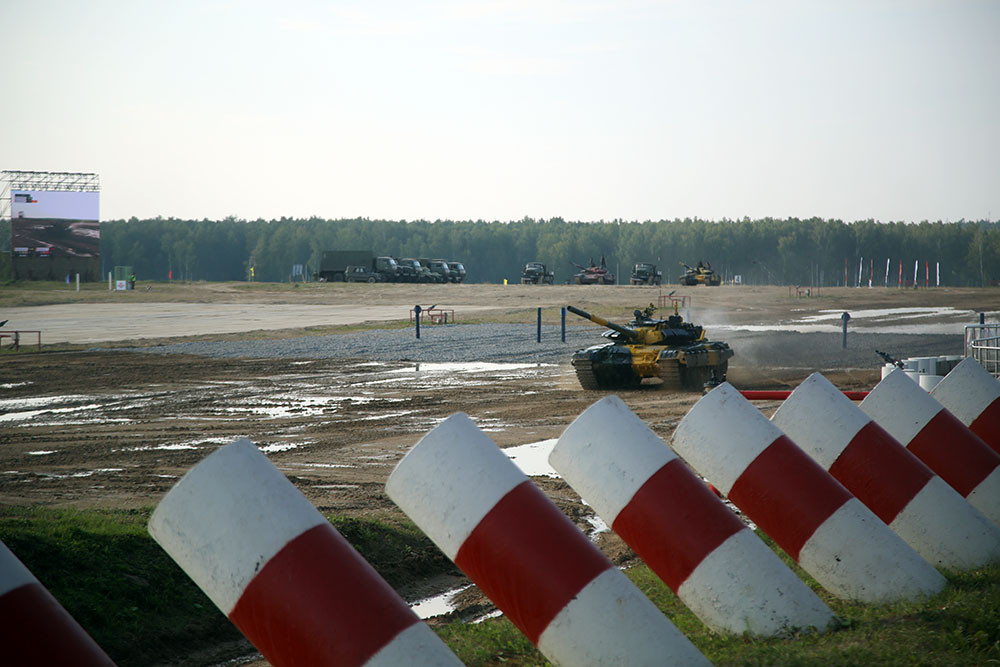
(987, 425)
(674, 521)
(530, 559)
(956, 454)
(318, 602)
(787, 494)
(36, 630)
(880, 472)
(783, 394)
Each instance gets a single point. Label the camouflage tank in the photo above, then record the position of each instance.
(672, 350)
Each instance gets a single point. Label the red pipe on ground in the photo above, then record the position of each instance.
(780, 395)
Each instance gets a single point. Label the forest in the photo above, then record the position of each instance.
(791, 251)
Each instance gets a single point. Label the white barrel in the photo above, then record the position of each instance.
(927, 365)
(808, 513)
(928, 382)
(893, 483)
(281, 573)
(525, 555)
(714, 563)
(36, 630)
(939, 439)
(973, 395)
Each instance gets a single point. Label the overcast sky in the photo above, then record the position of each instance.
(500, 110)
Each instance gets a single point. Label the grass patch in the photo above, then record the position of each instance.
(110, 575)
(136, 602)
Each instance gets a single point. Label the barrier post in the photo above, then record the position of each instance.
(972, 394)
(562, 322)
(524, 554)
(939, 439)
(893, 483)
(36, 629)
(724, 573)
(808, 513)
(538, 329)
(416, 312)
(281, 573)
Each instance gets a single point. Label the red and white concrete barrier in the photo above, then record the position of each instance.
(35, 629)
(893, 483)
(834, 537)
(939, 439)
(281, 573)
(526, 556)
(973, 395)
(714, 563)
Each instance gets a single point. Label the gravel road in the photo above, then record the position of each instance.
(517, 343)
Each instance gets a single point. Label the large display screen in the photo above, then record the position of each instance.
(46, 223)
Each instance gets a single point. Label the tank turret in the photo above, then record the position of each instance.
(671, 352)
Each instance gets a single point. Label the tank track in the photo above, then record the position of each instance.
(585, 374)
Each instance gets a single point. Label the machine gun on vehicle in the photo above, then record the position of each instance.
(889, 359)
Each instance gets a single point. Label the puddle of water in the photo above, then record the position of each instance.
(597, 526)
(279, 447)
(496, 613)
(869, 320)
(437, 605)
(11, 385)
(319, 465)
(388, 415)
(533, 458)
(42, 452)
(30, 414)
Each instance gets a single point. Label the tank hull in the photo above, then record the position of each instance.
(615, 366)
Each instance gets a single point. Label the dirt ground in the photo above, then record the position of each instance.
(117, 429)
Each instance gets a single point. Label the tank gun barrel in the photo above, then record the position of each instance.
(625, 331)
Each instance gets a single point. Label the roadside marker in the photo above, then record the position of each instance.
(281, 573)
(834, 537)
(527, 556)
(893, 483)
(36, 630)
(712, 560)
(939, 439)
(973, 395)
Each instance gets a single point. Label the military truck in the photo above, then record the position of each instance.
(535, 273)
(438, 266)
(420, 272)
(457, 272)
(645, 273)
(333, 265)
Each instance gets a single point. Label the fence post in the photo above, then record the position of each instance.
(538, 332)
(562, 319)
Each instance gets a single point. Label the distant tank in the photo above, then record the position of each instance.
(701, 275)
(672, 350)
(593, 274)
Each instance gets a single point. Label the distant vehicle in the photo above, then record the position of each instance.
(645, 273)
(407, 272)
(420, 272)
(457, 271)
(700, 275)
(594, 275)
(361, 274)
(333, 265)
(438, 266)
(534, 273)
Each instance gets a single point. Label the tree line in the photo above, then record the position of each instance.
(791, 251)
